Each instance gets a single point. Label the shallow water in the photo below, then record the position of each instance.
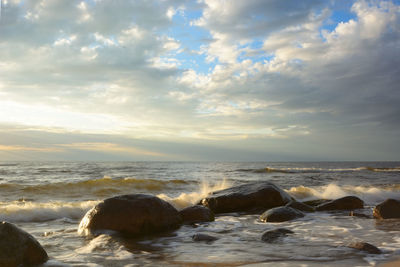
(48, 199)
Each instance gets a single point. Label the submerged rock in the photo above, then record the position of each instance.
(204, 237)
(246, 197)
(281, 214)
(18, 248)
(344, 203)
(363, 246)
(300, 206)
(273, 235)
(389, 209)
(133, 215)
(197, 214)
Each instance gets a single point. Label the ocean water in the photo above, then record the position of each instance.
(48, 199)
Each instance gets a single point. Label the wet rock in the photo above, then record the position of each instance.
(196, 214)
(344, 203)
(204, 238)
(273, 235)
(315, 202)
(281, 214)
(18, 248)
(132, 215)
(300, 206)
(389, 209)
(246, 197)
(366, 247)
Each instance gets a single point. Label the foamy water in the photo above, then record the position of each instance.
(49, 199)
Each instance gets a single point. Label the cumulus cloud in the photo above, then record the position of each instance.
(274, 72)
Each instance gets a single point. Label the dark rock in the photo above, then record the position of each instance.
(196, 214)
(132, 215)
(316, 202)
(389, 209)
(363, 246)
(246, 197)
(344, 203)
(280, 214)
(300, 206)
(204, 237)
(18, 248)
(273, 235)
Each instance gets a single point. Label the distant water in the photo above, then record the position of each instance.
(48, 199)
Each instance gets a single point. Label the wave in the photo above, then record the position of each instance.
(318, 170)
(21, 211)
(189, 199)
(29, 211)
(370, 194)
(99, 187)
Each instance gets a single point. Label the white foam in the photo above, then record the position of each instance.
(370, 194)
(189, 199)
(39, 212)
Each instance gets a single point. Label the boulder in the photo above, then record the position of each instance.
(366, 247)
(300, 206)
(246, 197)
(18, 248)
(272, 235)
(389, 209)
(132, 215)
(344, 203)
(281, 214)
(204, 238)
(196, 214)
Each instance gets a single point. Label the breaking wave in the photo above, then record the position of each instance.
(188, 199)
(21, 211)
(370, 194)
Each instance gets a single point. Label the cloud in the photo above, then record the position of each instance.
(269, 73)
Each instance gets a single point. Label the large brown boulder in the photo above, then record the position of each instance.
(389, 209)
(281, 214)
(246, 197)
(344, 203)
(196, 214)
(132, 215)
(18, 248)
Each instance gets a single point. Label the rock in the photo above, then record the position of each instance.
(196, 214)
(273, 235)
(315, 202)
(132, 215)
(18, 248)
(389, 209)
(300, 206)
(204, 237)
(344, 203)
(280, 214)
(246, 197)
(363, 246)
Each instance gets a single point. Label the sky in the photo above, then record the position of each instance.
(200, 80)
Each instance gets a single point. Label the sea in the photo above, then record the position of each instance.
(48, 200)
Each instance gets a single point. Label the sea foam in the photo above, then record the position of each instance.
(370, 194)
(18, 211)
(189, 199)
